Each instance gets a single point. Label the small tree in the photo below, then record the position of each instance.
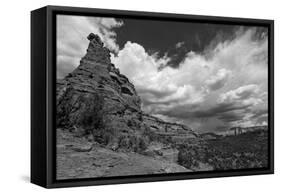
(92, 118)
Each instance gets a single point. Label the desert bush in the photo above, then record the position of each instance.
(138, 144)
(92, 116)
(134, 124)
(132, 142)
(93, 119)
(188, 157)
(124, 142)
(244, 151)
(142, 144)
(64, 109)
(152, 136)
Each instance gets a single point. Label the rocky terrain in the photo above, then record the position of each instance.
(247, 150)
(102, 131)
(79, 158)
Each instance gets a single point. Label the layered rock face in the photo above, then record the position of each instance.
(97, 88)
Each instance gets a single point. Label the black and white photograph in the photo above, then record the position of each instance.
(145, 96)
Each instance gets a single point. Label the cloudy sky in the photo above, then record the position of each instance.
(208, 76)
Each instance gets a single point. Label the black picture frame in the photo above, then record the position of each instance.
(43, 87)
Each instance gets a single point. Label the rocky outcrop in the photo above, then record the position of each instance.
(107, 101)
(101, 129)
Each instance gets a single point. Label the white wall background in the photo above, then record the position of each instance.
(15, 95)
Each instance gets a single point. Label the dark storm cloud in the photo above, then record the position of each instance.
(163, 36)
(262, 120)
(260, 113)
(231, 116)
(197, 111)
(177, 55)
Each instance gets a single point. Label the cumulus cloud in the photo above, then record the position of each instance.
(219, 80)
(72, 42)
(243, 92)
(223, 84)
(159, 89)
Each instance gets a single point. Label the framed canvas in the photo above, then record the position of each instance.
(125, 96)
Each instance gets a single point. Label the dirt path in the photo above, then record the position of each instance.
(77, 159)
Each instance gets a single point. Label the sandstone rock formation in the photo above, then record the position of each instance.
(97, 90)
(102, 131)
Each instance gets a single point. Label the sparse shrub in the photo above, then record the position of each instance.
(93, 119)
(239, 152)
(188, 157)
(168, 140)
(152, 136)
(124, 142)
(134, 143)
(142, 144)
(134, 124)
(64, 108)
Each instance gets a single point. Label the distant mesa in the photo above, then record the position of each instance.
(240, 130)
